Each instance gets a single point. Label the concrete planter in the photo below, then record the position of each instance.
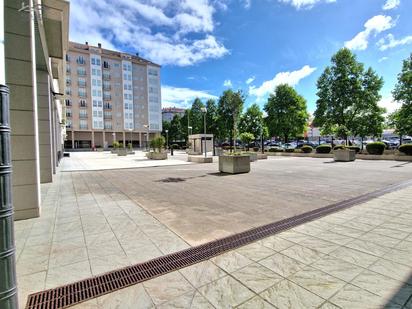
(156, 155)
(252, 155)
(403, 157)
(130, 152)
(200, 159)
(99, 149)
(234, 164)
(344, 155)
(122, 152)
(262, 156)
(113, 150)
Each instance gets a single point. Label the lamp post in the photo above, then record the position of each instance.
(147, 136)
(131, 137)
(167, 138)
(204, 111)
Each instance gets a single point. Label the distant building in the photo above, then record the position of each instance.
(169, 112)
(110, 96)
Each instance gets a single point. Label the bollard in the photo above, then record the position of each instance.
(8, 286)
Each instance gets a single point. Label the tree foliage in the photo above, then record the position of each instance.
(229, 109)
(212, 118)
(286, 113)
(196, 117)
(348, 97)
(246, 138)
(402, 118)
(252, 121)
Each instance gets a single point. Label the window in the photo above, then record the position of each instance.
(107, 115)
(67, 58)
(80, 60)
(82, 103)
(107, 125)
(83, 124)
(68, 112)
(116, 65)
(81, 71)
(83, 113)
(106, 65)
(68, 102)
(81, 82)
(68, 91)
(153, 72)
(68, 123)
(82, 92)
(107, 105)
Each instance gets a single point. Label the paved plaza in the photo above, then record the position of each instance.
(96, 221)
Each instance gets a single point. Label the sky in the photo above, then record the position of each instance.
(208, 46)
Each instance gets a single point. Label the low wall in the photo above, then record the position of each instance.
(395, 157)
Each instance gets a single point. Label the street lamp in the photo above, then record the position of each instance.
(167, 138)
(204, 111)
(147, 137)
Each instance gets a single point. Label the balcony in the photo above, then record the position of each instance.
(81, 61)
(108, 126)
(108, 106)
(107, 116)
(106, 66)
(83, 116)
(106, 77)
(81, 84)
(83, 105)
(107, 87)
(107, 97)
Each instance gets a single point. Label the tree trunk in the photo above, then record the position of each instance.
(286, 138)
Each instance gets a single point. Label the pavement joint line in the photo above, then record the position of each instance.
(70, 294)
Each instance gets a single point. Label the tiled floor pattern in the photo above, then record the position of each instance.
(357, 258)
(86, 228)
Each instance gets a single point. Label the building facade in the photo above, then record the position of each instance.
(169, 112)
(110, 96)
(35, 44)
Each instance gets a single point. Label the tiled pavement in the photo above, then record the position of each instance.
(357, 258)
(86, 228)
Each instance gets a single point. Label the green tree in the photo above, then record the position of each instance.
(229, 109)
(246, 138)
(286, 113)
(212, 118)
(402, 118)
(348, 97)
(196, 117)
(252, 121)
(176, 131)
(185, 123)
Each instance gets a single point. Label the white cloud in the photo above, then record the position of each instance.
(390, 42)
(182, 97)
(247, 4)
(250, 80)
(291, 78)
(389, 104)
(158, 29)
(383, 59)
(374, 25)
(305, 4)
(227, 83)
(391, 4)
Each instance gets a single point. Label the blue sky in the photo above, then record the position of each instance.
(207, 46)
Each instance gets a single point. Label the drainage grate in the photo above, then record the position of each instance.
(74, 293)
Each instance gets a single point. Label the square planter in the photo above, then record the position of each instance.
(122, 152)
(156, 155)
(234, 164)
(262, 156)
(200, 159)
(113, 150)
(252, 155)
(344, 155)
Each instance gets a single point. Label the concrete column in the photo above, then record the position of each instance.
(53, 137)
(124, 139)
(140, 139)
(45, 126)
(21, 78)
(104, 140)
(73, 139)
(92, 139)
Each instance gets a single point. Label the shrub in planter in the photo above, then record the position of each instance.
(325, 148)
(406, 149)
(289, 150)
(175, 146)
(337, 147)
(157, 143)
(356, 148)
(306, 149)
(276, 150)
(376, 148)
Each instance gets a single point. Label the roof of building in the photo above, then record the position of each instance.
(73, 46)
(173, 110)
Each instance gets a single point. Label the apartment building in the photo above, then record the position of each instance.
(168, 113)
(110, 96)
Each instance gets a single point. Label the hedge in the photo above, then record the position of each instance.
(289, 150)
(337, 147)
(356, 148)
(276, 150)
(406, 149)
(375, 148)
(306, 149)
(325, 148)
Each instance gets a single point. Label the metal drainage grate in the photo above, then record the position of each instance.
(77, 292)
